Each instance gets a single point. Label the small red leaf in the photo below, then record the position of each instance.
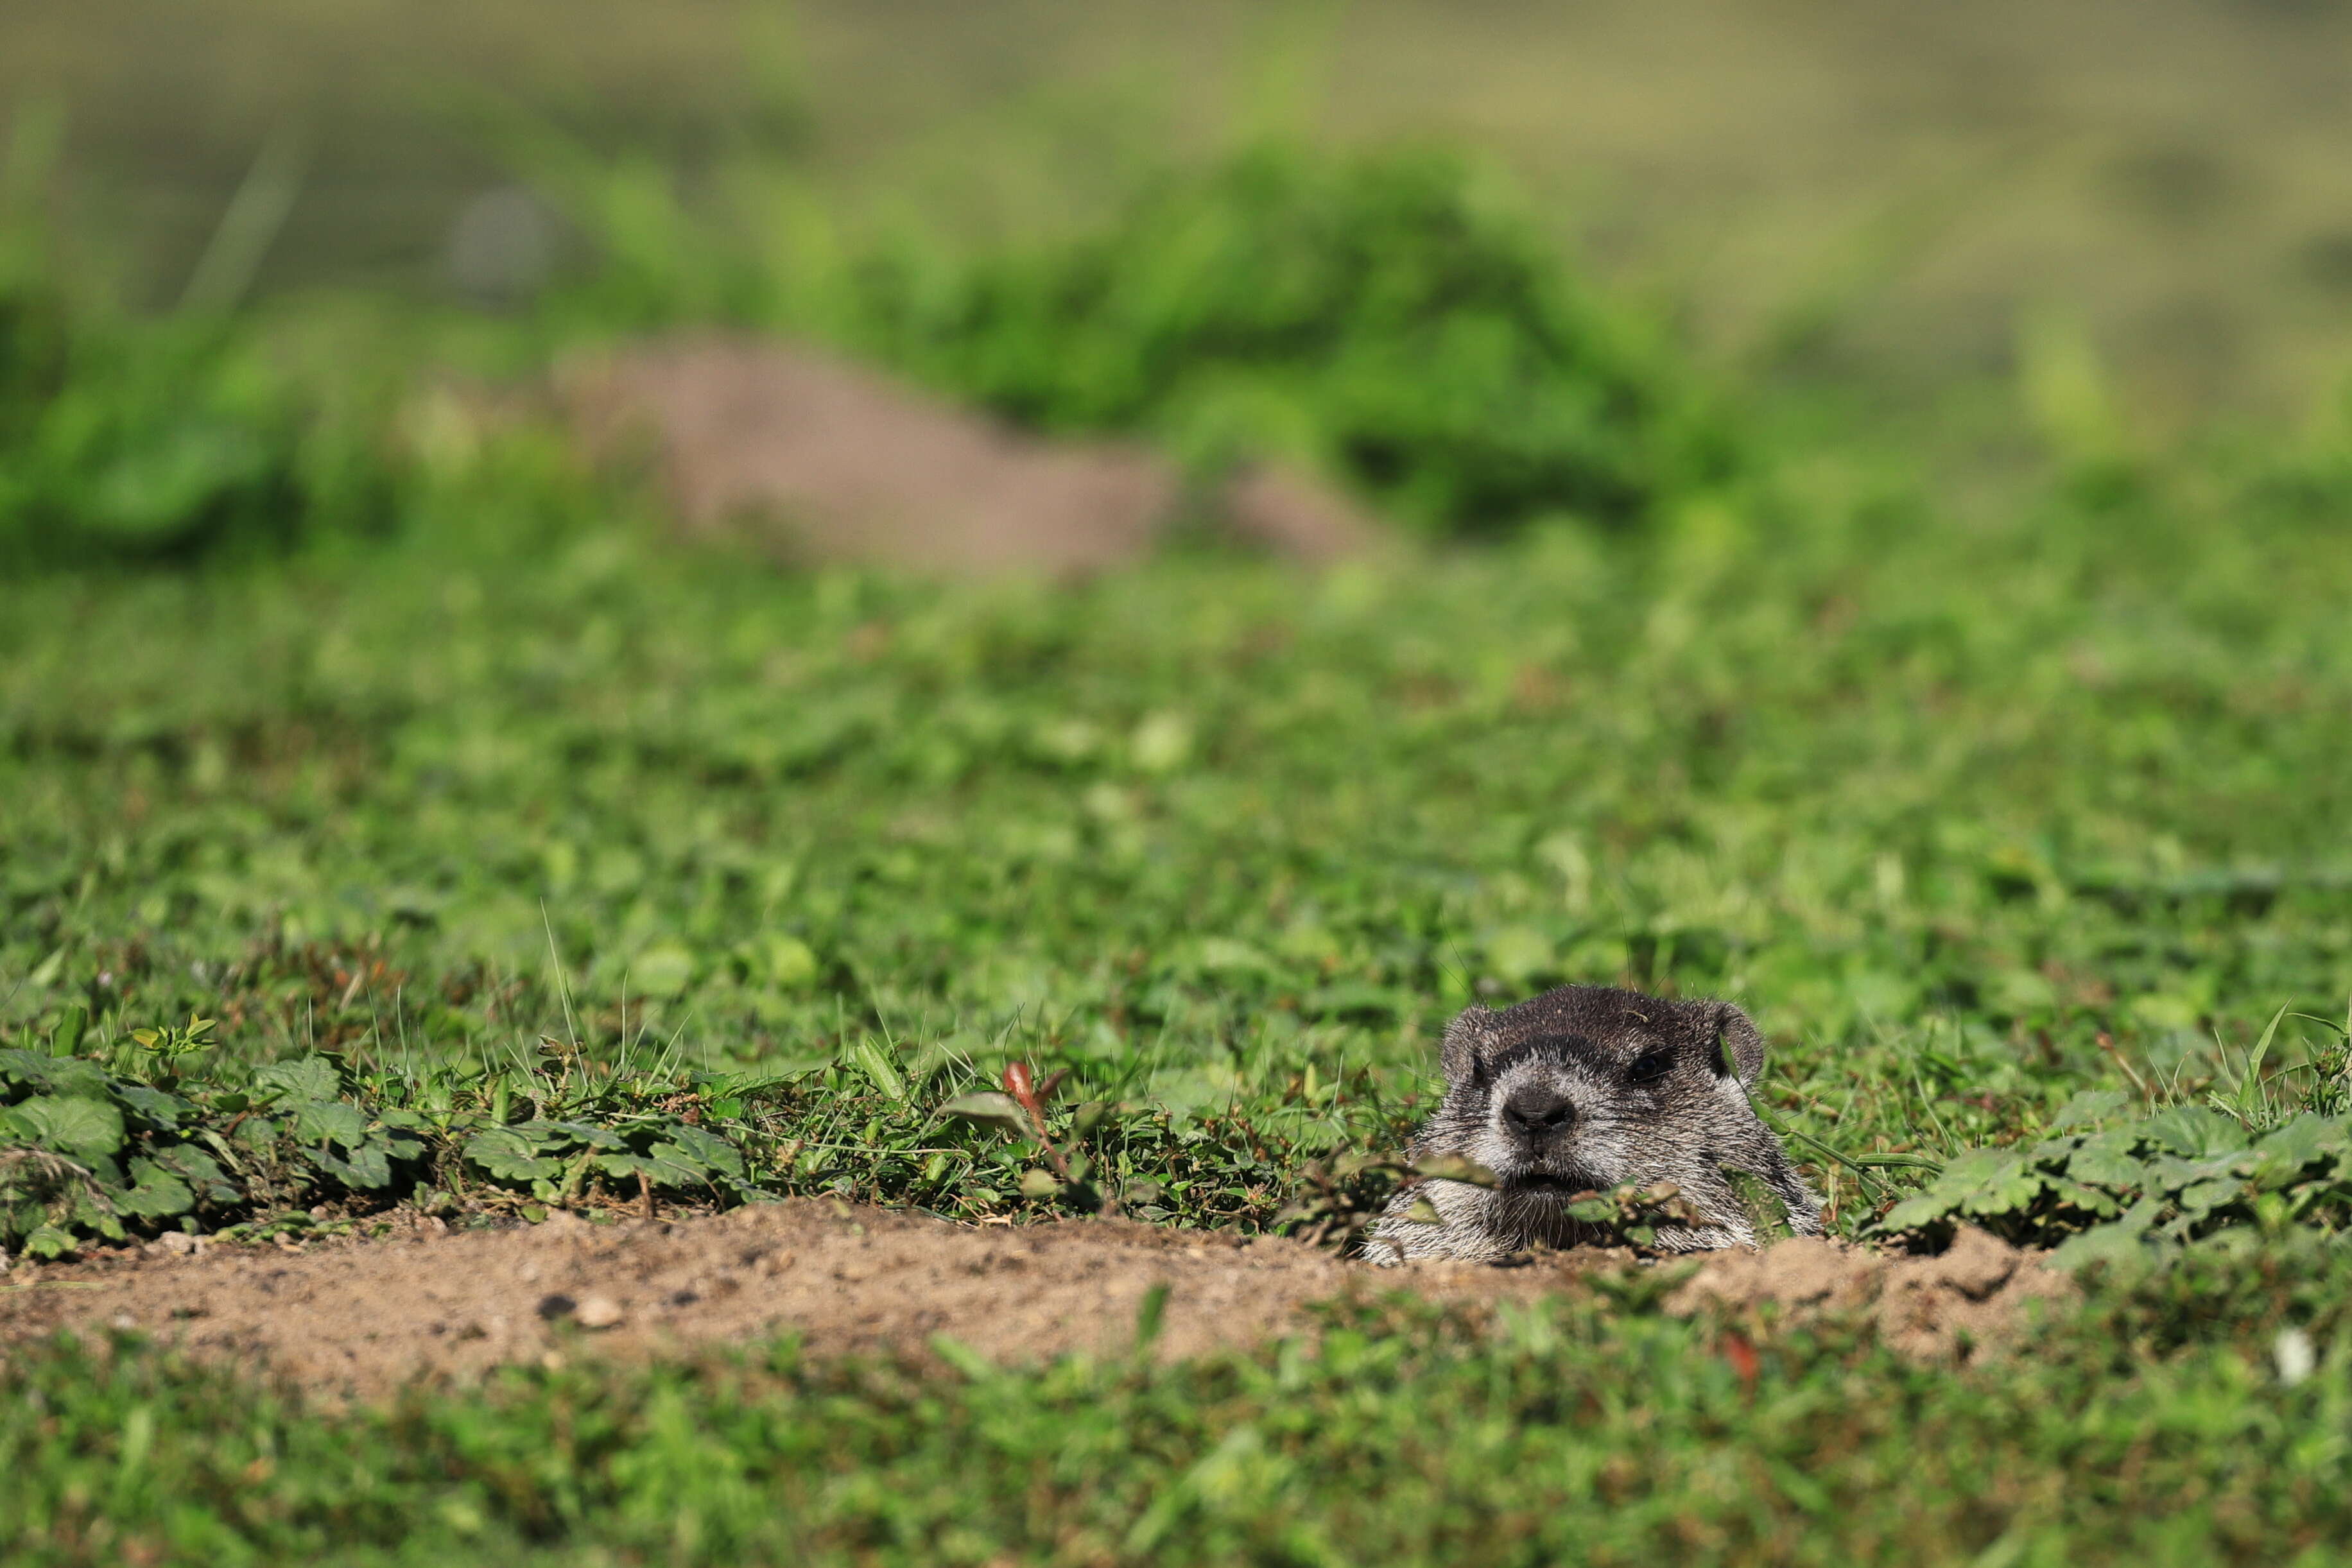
(1742, 1357)
(1018, 1084)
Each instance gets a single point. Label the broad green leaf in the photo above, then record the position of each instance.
(627, 1167)
(80, 1079)
(713, 1152)
(72, 1077)
(1989, 1181)
(2114, 1242)
(991, 1109)
(24, 1067)
(669, 1165)
(2194, 1130)
(2051, 1153)
(555, 1135)
(665, 1165)
(2089, 1199)
(19, 1217)
(2170, 1172)
(88, 1130)
(331, 1120)
(95, 1212)
(2203, 1197)
(163, 1110)
(1912, 1213)
(48, 1242)
(2088, 1108)
(369, 1165)
(2106, 1160)
(199, 1171)
(2288, 1149)
(156, 1193)
(294, 1082)
(509, 1156)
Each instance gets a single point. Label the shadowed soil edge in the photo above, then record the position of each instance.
(364, 1316)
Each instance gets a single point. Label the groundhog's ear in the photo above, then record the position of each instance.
(1738, 1047)
(1466, 1038)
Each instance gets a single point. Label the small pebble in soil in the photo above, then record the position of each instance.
(597, 1313)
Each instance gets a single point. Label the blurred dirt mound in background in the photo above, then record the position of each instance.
(1943, 1308)
(814, 459)
(362, 1317)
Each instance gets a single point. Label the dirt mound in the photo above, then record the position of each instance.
(364, 1316)
(1944, 1308)
(816, 459)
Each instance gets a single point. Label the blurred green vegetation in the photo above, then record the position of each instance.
(157, 438)
(1389, 317)
(1377, 317)
(1853, 197)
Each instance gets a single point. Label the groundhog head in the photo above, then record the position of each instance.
(1587, 1088)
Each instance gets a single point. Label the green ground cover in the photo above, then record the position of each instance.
(522, 858)
(1974, 821)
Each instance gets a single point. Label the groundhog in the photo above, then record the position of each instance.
(1584, 1089)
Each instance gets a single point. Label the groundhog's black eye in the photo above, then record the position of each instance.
(1650, 1066)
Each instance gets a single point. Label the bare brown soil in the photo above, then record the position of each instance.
(811, 458)
(1951, 1307)
(362, 1317)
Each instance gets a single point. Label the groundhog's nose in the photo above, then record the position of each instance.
(1536, 1113)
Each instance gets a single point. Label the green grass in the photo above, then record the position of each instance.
(1189, 832)
(1192, 832)
(1943, 807)
(524, 858)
